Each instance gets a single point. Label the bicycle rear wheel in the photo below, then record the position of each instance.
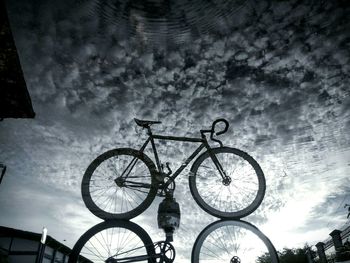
(233, 199)
(119, 184)
(114, 241)
(232, 241)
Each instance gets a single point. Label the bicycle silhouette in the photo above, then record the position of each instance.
(232, 241)
(121, 241)
(225, 182)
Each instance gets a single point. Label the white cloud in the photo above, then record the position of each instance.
(288, 106)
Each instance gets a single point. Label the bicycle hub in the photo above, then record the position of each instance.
(119, 181)
(235, 259)
(227, 180)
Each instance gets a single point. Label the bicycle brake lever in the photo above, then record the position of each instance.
(218, 141)
(224, 130)
(215, 140)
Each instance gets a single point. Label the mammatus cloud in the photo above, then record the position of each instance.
(279, 76)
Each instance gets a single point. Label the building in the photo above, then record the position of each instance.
(17, 246)
(15, 101)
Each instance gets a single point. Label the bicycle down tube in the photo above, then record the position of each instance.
(203, 142)
(151, 138)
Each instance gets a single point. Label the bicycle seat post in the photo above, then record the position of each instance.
(149, 131)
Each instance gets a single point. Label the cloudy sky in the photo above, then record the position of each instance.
(278, 71)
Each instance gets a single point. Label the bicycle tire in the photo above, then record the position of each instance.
(84, 249)
(224, 240)
(110, 201)
(197, 180)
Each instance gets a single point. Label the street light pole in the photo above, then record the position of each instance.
(43, 235)
(2, 171)
(41, 250)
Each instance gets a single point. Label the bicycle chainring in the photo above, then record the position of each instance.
(166, 251)
(162, 192)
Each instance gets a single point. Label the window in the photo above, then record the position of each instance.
(48, 251)
(22, 258)
(59, 257)
(5, 243)
(20, 244)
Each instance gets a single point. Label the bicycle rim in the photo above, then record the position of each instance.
(113, 240)
(241, 196)
(105, 198)
(228, 241)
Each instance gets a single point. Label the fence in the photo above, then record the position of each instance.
(334, 249)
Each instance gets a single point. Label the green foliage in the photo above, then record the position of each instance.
(287, 255)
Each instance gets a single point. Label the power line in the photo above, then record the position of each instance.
(337, 210)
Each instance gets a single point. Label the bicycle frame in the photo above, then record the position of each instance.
(131, 259)
(203, 144)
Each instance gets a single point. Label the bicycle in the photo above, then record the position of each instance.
(225, 182)
(120, 241)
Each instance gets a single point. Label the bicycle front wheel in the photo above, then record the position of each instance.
(234, 198)
(119, 184)
(114, 241)
(232, 241)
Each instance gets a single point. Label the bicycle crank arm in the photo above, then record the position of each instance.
(132, 259)
(128, 259)
(136, 185)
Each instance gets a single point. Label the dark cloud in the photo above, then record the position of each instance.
(278, 71)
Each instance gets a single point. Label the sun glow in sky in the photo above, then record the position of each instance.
(278, 71)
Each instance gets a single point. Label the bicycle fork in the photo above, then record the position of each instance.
(226, 180)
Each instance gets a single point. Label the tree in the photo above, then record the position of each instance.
(287, 255)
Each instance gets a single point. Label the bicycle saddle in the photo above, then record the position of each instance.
(144, 123)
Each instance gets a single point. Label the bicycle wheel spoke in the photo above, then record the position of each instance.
(223, 240)
(137, 194)
(223, 243)
(102, 200)
(94, 251)
(108, 195)
(212, 253)
(236, 195)
(109, 200)
(130, 198)
(123, 241)
(215, 245)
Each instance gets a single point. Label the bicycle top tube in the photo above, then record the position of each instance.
(177, 138)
